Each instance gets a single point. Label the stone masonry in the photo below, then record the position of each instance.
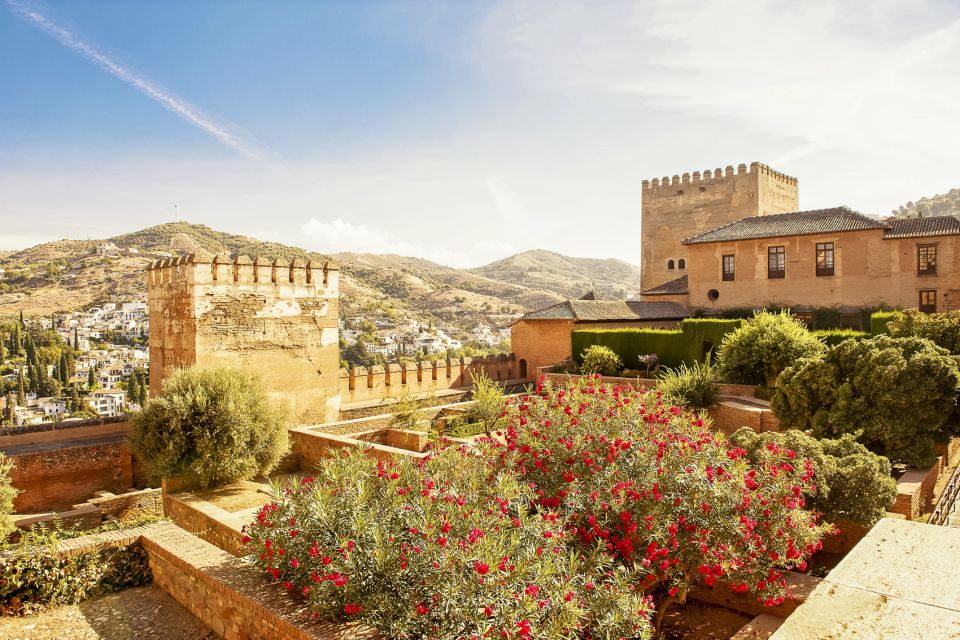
(680, 207)
(271, 317)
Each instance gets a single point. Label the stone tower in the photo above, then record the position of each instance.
(680, 207)
(274, 318)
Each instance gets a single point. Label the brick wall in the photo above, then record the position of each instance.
(55, 478)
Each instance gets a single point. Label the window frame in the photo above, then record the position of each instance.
(924, 252)
(731, 275)
(670, 264)
(828, 249)
(927, 308)
(781, 251)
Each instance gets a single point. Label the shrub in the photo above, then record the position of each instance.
(900, 392)
(601, 360)
(943, 329)
(211, 426)
(659, 488)
(407, 412)
(7, 494)
(669, 345)
(34, 574)
(439, 549)
(694, 387)
(832, 337)
(765, 345)
(488, 403)
(852, 483)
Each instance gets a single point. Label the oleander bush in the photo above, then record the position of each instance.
(693, 387)
(7, 494)
(33, 574)
(852, 483)
(212, 426)
(765, 345)
(601, 360)
(656, 486)
(898, 394)
(440, 549)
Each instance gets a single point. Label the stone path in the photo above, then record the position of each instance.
(142, 612)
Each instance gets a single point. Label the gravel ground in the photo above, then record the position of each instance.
(142, 612)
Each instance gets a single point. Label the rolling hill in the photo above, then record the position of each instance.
(66, 275)
(944, 204)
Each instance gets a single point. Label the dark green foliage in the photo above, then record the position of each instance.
(673, 347)
(900, 392)
(34, 574)
(765, 345)
(210, 426)
(943, 329)
(852, 483)
(879, 321)
(694, 387)
(831, 337)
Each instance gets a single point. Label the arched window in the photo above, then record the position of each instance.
(669, 265)
(681, 264)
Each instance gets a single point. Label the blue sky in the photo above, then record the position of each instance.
(460, 132)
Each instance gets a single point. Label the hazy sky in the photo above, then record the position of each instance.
(458, 131)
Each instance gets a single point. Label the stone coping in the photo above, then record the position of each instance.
(897, 583)
(230, 596)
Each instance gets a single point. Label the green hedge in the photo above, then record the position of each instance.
(879, 320)
(686, 345)
(833, 337)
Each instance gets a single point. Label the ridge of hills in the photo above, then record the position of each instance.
(67, 275)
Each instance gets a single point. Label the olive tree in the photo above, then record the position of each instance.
(765, 345)
(212, 426)
(851, 483)
(898, 394)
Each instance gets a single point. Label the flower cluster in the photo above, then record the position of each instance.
(441, 549)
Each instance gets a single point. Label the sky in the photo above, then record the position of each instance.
(460, 132)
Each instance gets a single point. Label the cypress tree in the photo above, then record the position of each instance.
(144, 388)
(62, 368)
(3, 352)
(22, 323)
(21, 392)
(76, 340)
(9, 411)
(75, 404)
(133, 387)
(91, 377)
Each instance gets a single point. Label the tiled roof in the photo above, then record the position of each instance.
(677, 286)
(607, 311)
(797, 223)
(920, 227)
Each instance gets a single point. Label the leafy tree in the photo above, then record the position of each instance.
(899, 394)
(213, 426)
(943, 329)
(765, 345)
(7, 494)
(852, 483)
(601, 360)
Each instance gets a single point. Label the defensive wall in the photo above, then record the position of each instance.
(273, 317)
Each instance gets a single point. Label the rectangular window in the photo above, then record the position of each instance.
(729, 268)
(928, 300)
(775, 262)
(927, 260)
(824, 258)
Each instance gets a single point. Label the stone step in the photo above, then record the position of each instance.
(230, 596)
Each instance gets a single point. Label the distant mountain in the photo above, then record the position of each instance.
(570, 277)
(944, 204)
(66, 275)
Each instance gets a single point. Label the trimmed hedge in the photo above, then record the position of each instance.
(833, 337)
(687, 345)
(879, 320)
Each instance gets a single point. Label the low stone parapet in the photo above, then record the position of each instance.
(799, 585)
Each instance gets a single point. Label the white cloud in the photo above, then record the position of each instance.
(336, 236)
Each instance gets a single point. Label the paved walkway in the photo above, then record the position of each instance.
(142, 612)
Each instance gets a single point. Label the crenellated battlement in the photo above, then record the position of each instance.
(219, 269)
(717, 175)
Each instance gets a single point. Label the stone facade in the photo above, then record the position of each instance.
(869, 271)
(271, 317)
(680, 207)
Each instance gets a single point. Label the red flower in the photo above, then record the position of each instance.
(352, 609)
(481, 568)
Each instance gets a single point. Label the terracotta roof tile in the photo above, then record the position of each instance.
(673, 287)
(797, 223)
(921, 227)
(608, 311)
